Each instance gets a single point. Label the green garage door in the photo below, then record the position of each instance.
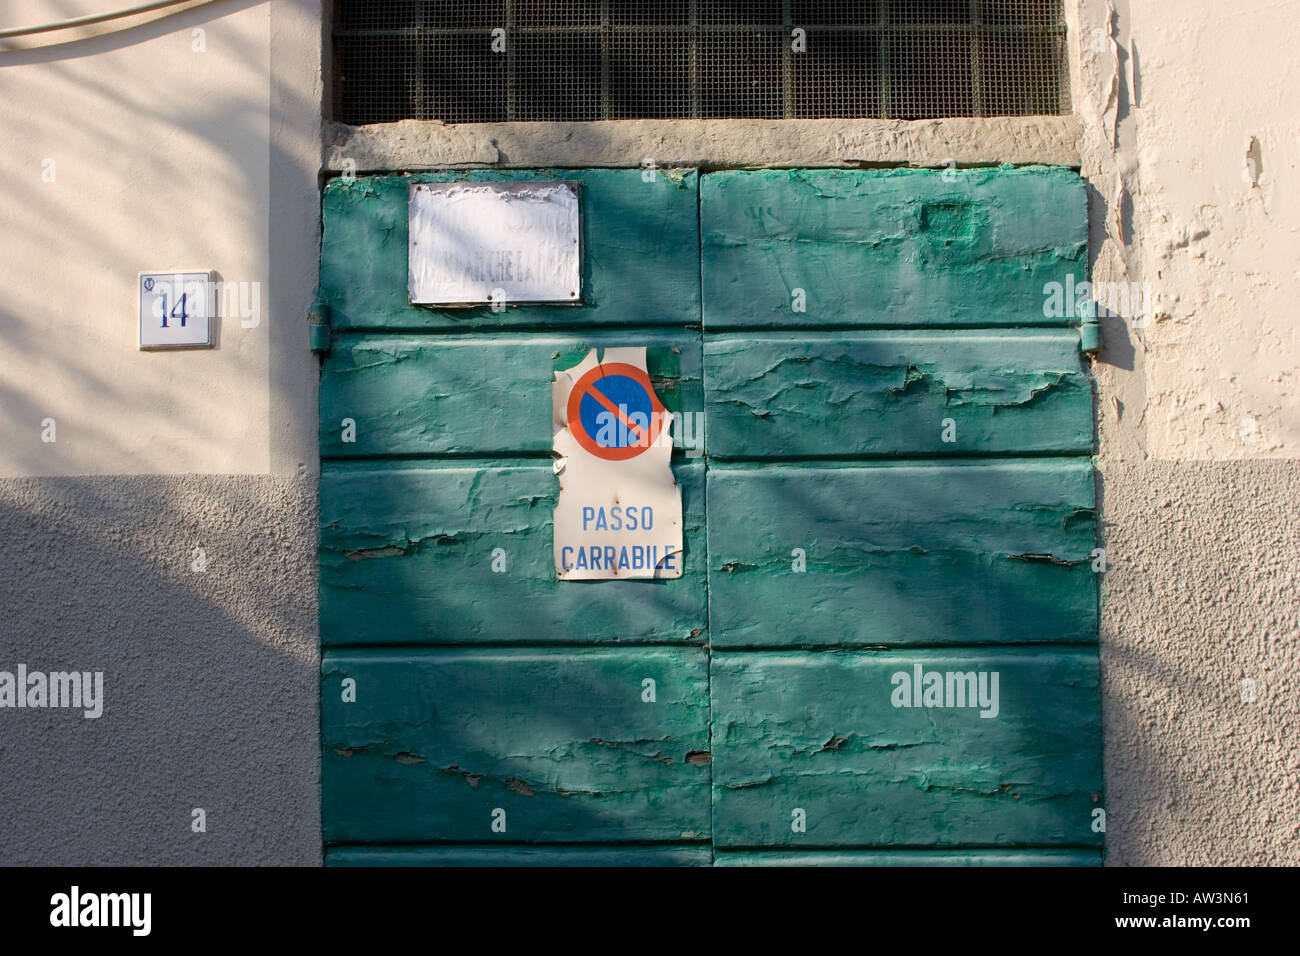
(883, 647)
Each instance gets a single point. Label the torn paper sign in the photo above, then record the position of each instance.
(620, 511)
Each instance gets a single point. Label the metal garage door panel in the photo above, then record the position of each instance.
(896, 394)
(408, 550)
(640, 240)
(819, 732)
(535, 855)
(909, 858)
(477, 394)
(889, 247)
(966, 552)
(562, 740)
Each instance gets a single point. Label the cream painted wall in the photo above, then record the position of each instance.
(147, 145)
(1222, 238)
(1192, 141)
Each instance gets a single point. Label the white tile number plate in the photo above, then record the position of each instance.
(174, 310)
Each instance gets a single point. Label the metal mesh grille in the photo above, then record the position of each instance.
(466, 61)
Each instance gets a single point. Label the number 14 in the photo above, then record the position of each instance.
(179, 311)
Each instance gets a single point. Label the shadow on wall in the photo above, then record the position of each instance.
(1200, 664)
(210, 677)
(151, 171)
(217, 677)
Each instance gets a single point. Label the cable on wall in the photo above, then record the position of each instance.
(94, 18)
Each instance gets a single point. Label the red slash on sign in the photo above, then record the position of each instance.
(614, 413)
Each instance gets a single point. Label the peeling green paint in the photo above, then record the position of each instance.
(923, 295)
(897, 247)
(473, 395)
(902, 553)
(431, 530)
(561, 856)
(890, 393)
(640, 261)
(908, 858)
(559, 739)
(904, 776)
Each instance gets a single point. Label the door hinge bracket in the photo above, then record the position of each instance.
(1090, 335)
(318, 326)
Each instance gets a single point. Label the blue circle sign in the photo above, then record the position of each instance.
(614, 412)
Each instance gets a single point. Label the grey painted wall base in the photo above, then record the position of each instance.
(1200, 595)
(210, 679)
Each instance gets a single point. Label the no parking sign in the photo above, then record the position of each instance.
(619, 513)
(614, 413)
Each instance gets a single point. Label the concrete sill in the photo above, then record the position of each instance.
(709, 144)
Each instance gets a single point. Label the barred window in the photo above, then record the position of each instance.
(469, 61)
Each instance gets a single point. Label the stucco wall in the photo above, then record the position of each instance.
(1190, 144)
(1200, 767)
(150, 144)
(210, 677)
(161, 157)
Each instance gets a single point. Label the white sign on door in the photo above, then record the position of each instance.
(494, 243)
(619, 513)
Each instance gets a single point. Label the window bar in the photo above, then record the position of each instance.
(976, 59)
(606, 55)
(1059, 81)
(882, 58)
(512, 94)
(415, 88)
(694, 79)
(787, 63)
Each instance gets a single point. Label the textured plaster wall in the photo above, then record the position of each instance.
(163, 157)
(1191, 141)
(1201, 595)
(1190, 144)
(210, 678)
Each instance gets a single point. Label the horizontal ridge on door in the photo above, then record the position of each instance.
(896, 393)
(970, 857)
(960, 552)
(482, 394)
(845, 748)
(517, 855)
